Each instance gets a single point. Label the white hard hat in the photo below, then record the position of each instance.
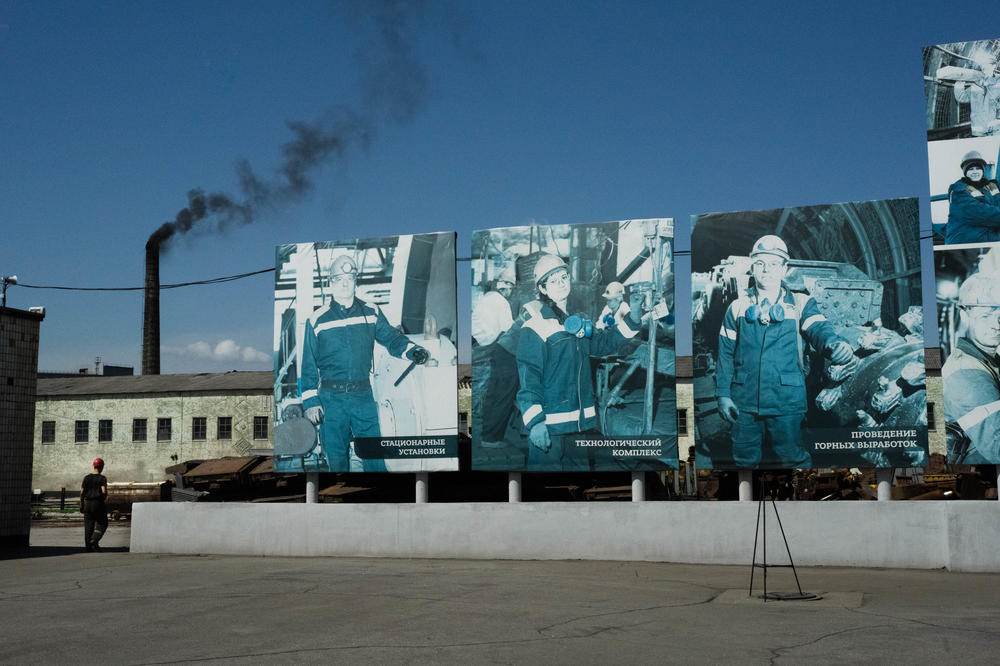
(343, 265)
(980, 289)
(546, 265)
(770, 245)
(613, 290)
(507, 275)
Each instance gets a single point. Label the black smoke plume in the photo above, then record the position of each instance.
(393, 88)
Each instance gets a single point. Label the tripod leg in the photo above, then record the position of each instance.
(787, 549)
(756, 533)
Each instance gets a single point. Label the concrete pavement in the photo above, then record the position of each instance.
(60, 604)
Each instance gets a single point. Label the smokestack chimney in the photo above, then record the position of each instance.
(151, 310)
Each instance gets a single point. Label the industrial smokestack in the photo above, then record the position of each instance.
(151, 310)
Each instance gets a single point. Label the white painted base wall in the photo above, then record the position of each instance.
(961, 536)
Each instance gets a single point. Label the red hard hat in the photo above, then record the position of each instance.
(98, 463)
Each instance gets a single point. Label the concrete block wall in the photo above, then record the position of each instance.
(18, 381)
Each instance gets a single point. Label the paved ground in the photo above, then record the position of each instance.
(60, 604)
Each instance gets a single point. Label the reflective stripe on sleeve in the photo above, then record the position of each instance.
(812, 320)
(311, 393)
(727, 333)
(531, 412)
(978, 415)
(338, 323)
(567, 417)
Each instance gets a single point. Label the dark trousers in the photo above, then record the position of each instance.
(499, 392)
(346, 416)
(783, 432)
(95, 522)
(559, 458)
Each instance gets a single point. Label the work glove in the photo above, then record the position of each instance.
(840, 352)
(418, 355)
(728, 410)
(315, 414)
(540, 437)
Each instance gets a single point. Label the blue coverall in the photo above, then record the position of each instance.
(556, 386)
(336, 362)
(760, 369)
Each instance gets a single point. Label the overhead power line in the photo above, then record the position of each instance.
(228, 278)
(218, 280)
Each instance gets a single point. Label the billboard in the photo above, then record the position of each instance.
(962, 105)
(968, 306)
(808, 337)
(573, 347)
(365, 362)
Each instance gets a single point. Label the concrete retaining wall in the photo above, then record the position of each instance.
(962, 536)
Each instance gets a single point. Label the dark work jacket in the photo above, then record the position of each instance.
(339, 344)
(554, 369)
(973, 212)
(760, 366)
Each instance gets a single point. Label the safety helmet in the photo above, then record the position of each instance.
(546, 265)
(980, 289)
(770, 245)
(972, 157)
(613, 290)
(343, 264)
(98, 463)
(507, 275)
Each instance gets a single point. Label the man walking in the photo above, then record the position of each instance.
(93, 494)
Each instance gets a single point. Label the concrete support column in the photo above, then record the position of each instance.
(883, 476)
(746, 485)
(638, 486)
(677, 480)
(513, 487)
(998, 482)
(421, 488)
(312, 487)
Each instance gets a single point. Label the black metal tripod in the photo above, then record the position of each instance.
(762, 527)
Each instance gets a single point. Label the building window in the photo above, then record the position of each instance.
(138, 430)
(199, 428)
(224, 428)
(82, 432)
(48, 432)
(163, 430)
(260, 427)
(104, 430)
(931, 420)
(682, 421)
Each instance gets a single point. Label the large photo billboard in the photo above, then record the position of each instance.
(365, 362)
(962, 105)
(968, 302)
(808, 337)
(573, 347)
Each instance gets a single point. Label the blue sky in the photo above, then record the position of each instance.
(547, 112)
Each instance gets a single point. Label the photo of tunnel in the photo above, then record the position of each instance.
(808, 337)
(573, 347)
(962, 89)
(365, 356)
(968, 309)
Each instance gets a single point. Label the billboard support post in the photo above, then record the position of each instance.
(312, 487)
(421, 488)
(638, 486)
(746, 485)
(883, 475)
(513, 487)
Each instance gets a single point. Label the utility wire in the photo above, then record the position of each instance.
(228, 278)
(218, 280)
